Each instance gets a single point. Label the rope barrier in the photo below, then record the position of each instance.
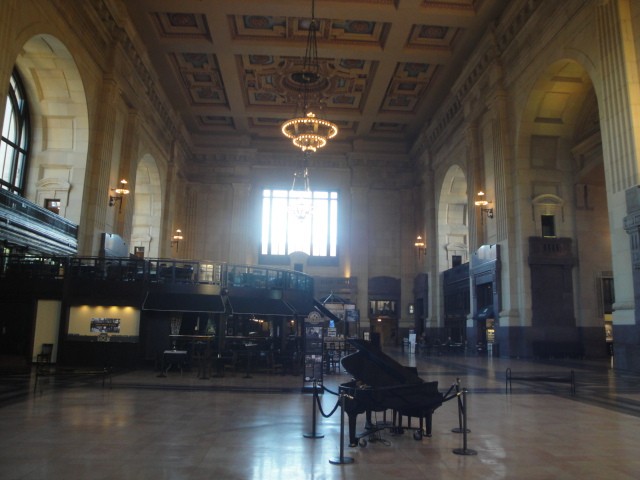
(330, 391)
(333, 410)
(316, 401)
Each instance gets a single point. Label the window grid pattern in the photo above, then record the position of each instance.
(284, 232)
(15, 138)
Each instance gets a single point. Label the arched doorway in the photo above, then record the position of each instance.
(564, 215)
(453, 255)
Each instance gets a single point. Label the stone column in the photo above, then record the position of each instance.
(409, 260)
(509, 320)
(501, 156)
(619, 102)
(127, 169)
(359, 249)
(434, 308)
(242, 249)
(626, 337)
(475, 182)
(189, 222)
(96, 181)
(170, 210)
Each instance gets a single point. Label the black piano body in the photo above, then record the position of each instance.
(380, 383)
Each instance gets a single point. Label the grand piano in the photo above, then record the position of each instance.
(380, 383)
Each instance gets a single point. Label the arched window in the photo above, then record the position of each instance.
(15, 138)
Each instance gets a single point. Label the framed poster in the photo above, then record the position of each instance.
(105, 325)
(313, 351)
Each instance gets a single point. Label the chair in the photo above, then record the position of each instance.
(230, 361)
(202, 357)
(45, 353)
(274, 366)
(333, 361)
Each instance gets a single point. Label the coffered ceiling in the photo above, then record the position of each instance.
(226, 65)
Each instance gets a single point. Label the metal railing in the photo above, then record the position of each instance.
(153, 270)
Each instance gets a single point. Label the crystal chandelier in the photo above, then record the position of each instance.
(308, 131)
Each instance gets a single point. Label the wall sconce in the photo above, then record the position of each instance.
(482, 202)
(120, 192)
(420, 246)
(176, 238)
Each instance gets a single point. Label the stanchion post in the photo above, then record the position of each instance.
(459, 428)
(314, 433)
(341, 460)
(464, 450)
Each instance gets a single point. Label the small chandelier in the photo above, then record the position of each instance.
(309, 132)
(300, 195)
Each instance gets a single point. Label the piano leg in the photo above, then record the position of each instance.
(368, 425)
(429, 420)
(396, 426)
(353, 438)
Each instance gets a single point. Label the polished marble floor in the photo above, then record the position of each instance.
(182, 427)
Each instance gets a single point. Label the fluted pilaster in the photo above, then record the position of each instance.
(621, 102)
(96, 201)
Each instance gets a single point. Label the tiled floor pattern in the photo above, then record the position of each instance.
(182, 427)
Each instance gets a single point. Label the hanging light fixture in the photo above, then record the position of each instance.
(307, 130)
(300, 195)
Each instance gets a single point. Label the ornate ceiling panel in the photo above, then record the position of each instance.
(201, 78)
(268, 81)
(386, 65)
(181, 25)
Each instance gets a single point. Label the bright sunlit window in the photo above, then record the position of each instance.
(299, 222)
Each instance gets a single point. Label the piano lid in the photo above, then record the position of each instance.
(375, 368)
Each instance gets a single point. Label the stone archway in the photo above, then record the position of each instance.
(60, 124)
(563, 211)
(453, 250)
(453, 227)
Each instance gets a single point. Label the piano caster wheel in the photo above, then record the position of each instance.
(362, 442)
(417, 435)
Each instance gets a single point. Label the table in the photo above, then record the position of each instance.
(171, 358)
